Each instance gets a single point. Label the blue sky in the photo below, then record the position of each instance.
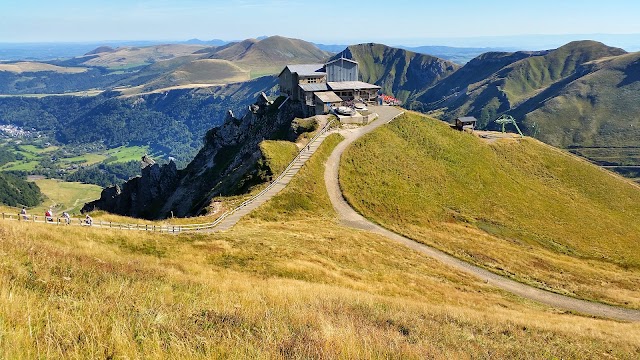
(326, 21)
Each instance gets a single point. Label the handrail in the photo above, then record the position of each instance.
(274, 182)
(167, 228)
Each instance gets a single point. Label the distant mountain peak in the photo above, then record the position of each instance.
(100, 50)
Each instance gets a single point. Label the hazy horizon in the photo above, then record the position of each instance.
(403, 22)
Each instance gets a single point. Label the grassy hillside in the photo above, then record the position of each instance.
(399, 72)
(128, 57)
(495, 83)
(270, 55)
(517, 207)
(599, 109)
(30, 67)
(16, 191)
(583, 94)
(203, 71)
(304, 288)
(65, 196)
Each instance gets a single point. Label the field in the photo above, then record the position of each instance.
(287, 282)
(65, 196)
(33, 155)
(21, 67)
(126, 153)
(516, 207)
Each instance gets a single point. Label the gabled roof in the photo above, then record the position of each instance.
(467, 119)
(305, 69)
(351, 85)
(328, 97)
(342, 59)
(314, 87)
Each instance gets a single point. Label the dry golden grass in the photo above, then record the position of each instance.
(517, 208)
(289, 285)
(266, 290)
(20, 67)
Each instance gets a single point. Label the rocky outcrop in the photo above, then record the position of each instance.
(222, 167)
(139, 196)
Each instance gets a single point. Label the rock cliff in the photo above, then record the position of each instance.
(223, 166)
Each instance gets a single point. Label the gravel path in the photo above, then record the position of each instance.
(351, 218)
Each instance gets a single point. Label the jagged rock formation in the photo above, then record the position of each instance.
(223, 166)
(140, 195)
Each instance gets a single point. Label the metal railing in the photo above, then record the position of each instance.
(168, 228)
(277, 180)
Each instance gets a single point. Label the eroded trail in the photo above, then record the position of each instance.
(349, 217)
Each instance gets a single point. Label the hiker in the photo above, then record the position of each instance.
(23, 213)
(48, 215)
(66, 217)
(88, 220)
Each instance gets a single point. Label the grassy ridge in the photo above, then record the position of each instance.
(518, 207)
(399, 72)
(305, 196)
(266, 289)
(277, 154)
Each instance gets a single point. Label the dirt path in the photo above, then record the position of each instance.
(351, 218)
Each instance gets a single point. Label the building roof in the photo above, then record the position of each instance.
(467, 119)
(306, 69)
(328, 97)
(314, 87)
(342, 59)
(351, 85)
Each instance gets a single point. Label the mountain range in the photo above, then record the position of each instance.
(583, 95)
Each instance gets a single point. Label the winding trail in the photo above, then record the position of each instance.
(349, 217)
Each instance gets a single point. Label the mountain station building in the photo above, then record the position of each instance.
(320, 87)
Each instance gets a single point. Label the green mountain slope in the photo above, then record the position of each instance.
(599, 109)
(15, 191)
(520, 82)
(198, 72)
(270, 55)
(517, 207)
(399, 72)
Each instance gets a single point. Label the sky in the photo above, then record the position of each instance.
(405, 22)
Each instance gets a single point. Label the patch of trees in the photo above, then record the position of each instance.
(17, 191)
(106, 175)
(7, 156)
